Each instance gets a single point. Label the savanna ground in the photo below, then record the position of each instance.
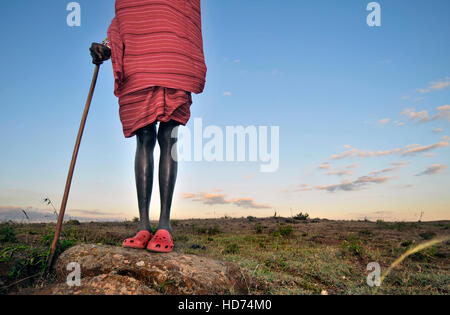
(277, 255)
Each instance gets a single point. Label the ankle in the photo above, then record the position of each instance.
(144, 227)
(165, 226)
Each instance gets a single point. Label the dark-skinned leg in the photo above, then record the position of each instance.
(144, 165)
(168, 168)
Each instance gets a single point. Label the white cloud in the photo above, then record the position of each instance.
(424, 148)
(436, 86)
(341, 173)
(358, 184)
(433, 170)
(411, 149)
(221, 199)
(227, 93)
(443, 112)
(416, 116)
(384, 121)
(324, 166)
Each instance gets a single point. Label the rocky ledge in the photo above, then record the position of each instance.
(109, 270)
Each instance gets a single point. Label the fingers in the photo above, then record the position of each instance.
(97, 53)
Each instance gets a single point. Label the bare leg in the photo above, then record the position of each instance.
(144, 165)
(168, 169)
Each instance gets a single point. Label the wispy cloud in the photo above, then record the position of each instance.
(395, 166)
(408, 150)
(93, 213)
(433, 170)
(384, 121)
(248, 203)
(438, 130)
(324, 166)
(436, 86)
(443, 112)
(40, 215)
(361, 183)
(423, 148)
(221, 199)
(422, 116)
(227, 93)
(341, 173)
(301, 188)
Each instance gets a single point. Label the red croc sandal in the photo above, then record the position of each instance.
(140, 241)
(162, 242)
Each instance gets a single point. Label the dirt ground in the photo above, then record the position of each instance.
(277, 255)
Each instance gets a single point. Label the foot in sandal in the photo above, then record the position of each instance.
(140, 241)
(162, 242)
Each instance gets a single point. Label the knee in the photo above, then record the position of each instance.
(147, 136)
(167, 135)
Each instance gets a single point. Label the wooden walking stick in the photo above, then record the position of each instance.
(71, 169)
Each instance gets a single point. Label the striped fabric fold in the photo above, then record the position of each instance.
(157, 43)
(158, 61)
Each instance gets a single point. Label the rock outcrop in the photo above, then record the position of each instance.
(113, 270)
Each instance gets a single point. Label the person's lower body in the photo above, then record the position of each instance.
(170, 108)
(166, 136)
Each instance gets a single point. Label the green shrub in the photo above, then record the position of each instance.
(73, 222)
(352, 246)
(259, 228)
(407, 243)
(214, 230)
(302, 217)
(399, 226)
(427, 235)
(7, 233)
(365, 232)
(286, 231)
(232, 248)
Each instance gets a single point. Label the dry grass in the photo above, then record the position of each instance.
(278, 255)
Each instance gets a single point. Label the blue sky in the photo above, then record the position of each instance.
(314, 68)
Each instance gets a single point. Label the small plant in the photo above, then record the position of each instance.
(302, 217)
(135, 220)
(284, 231)
(352, 246)
(73, 222)
(200, 230)
(232, 248)
(399, 226)
(35, 261)
(258, 228)
(365, 232)
(407, 243)
(427, 235)
(7, 233)
(251, 219)
(214, 230)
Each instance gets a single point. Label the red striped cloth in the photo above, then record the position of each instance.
(157, 57)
